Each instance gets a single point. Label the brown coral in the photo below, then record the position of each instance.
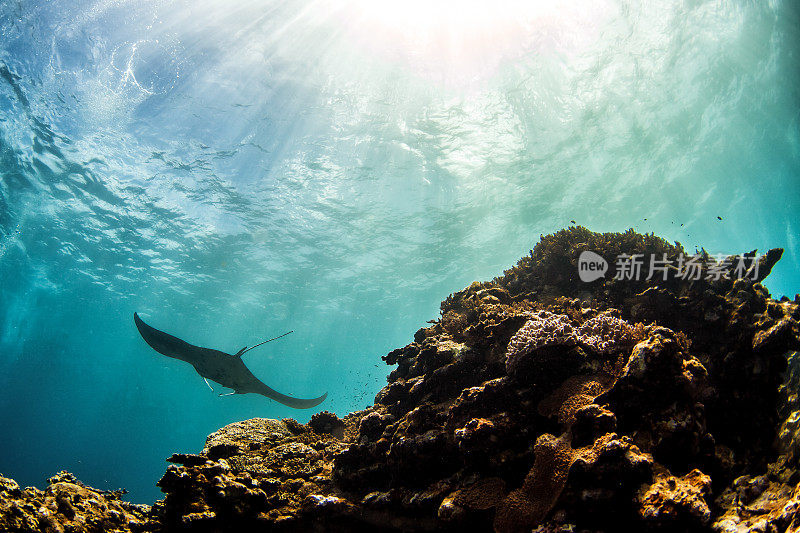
(462, 504)
(527, 506)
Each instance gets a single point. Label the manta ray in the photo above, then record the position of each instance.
(226, 369)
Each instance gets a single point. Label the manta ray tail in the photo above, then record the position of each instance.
(246, 349)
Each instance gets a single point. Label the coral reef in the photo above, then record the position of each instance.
(537, 402)
(69, 505)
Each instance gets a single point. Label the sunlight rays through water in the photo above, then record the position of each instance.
(338, 168)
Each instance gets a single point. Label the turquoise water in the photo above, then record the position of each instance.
(337, 169)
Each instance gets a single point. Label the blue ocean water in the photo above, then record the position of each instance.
(232, 171)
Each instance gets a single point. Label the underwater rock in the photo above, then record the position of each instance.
(326, 422)
(537, 402)
(677, 500)
(67, 505)
(757, 504)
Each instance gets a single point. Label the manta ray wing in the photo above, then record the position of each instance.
(226, 369)
(164, 343)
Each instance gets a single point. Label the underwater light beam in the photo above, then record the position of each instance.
(469, 39)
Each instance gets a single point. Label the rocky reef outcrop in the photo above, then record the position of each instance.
(68, 505)
(536, 402)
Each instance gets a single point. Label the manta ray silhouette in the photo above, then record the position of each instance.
(226, 369)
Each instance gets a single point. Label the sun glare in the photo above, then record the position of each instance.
(466, 39)
(466, 15)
